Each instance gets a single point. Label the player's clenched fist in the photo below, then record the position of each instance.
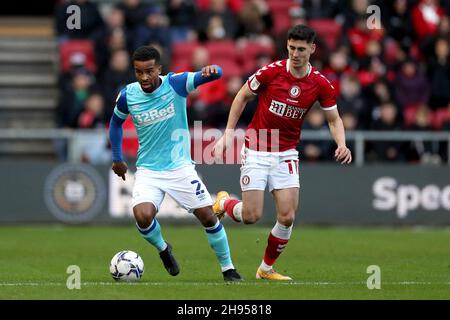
(120, 168)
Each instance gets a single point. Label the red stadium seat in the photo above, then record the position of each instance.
(184, 50)
(252, 49)
(409, 115)
(439, 117)
(328, 29)
(249, 53)
(76, 52)
(230, 67)
(280, 14)
(221, 49)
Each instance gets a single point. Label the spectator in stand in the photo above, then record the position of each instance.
(323, 9)
(426, 152)
(113, 79)
(234, 5)
(135, 12)
(254, 19)
(297, 15)
(90, 20)
(439, 74)
(351, 100)
(373, 66)
(218, 113)
(411, 86)
(353, 12)
(93, 147)
(392, 151)
(359, 35)
(336, 68)
(315, 150)
(425, 18)
(92, 114)
(399, 23)
(223, 24)
(72, 101)
(182, 15)
(154, 30)
(115, 22)
(208, 95)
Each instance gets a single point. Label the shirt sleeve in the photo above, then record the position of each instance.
(121, 107)
(115, 126)
(260, 78)
(327, 97)
(185, 82)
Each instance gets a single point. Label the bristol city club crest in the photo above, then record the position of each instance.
(294, 92)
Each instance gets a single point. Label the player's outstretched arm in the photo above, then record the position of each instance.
(207, 74)
(115, 136)
(342, 153)
(237, 107)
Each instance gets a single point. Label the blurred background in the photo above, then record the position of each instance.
(58, 87)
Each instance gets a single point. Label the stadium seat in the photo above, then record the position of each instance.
(221, 49)
(252, 49)
(77, 52)
(439, 117)
(328, 29)
(230, 67)
(184, 50)
(280, 14)
(249, 52)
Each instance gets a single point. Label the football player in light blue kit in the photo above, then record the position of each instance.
(157, 105)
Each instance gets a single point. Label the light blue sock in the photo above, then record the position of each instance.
(217, 238)
(153, 235)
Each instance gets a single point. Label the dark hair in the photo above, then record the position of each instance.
(146, 53)
(302, 32)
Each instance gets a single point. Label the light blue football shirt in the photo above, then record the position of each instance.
(161, 121)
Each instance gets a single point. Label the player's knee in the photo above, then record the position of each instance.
(206, 217)
(286, 219)
(143, 217)
(250, 220)
(250, 216)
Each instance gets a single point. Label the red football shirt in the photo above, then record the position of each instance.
(283, 102)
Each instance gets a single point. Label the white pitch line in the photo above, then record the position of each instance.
(170, 284)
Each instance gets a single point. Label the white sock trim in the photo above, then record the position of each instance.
(229, 267)
(214, 226)
(145, 229)
(265, 267)
(282, 232)
(222, 204)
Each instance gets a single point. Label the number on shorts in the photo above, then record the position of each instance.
(199, 185)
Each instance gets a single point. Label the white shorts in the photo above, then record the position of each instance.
(277, 169)
(182, 184)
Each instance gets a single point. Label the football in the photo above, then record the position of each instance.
(127, 266)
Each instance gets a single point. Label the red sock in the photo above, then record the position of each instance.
(275, 247)
(229, 206)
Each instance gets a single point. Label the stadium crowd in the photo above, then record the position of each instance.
(392, 77)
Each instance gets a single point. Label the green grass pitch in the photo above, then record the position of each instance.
(325, 263)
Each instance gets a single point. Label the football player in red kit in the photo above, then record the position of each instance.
(287, 90)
